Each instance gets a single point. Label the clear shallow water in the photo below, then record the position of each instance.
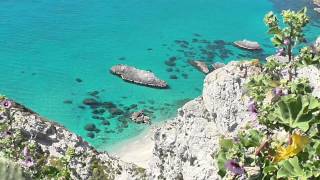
(45, 46)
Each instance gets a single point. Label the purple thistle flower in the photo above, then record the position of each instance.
(252, 107)
(6, 104)
(234, 167)
(281, 52)
(286, 42)
(28, 162)
(26, 152)
(277, 91)
(254, 116)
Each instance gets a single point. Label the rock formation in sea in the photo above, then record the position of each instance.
(249, 45)
(140, 117)
(138, 76)
(200, 65)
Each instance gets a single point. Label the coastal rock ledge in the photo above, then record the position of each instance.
(53, 142)
(185, 146)
(138, 76)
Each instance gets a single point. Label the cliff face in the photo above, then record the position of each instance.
(184, 146)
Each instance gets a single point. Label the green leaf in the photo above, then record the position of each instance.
(226, 144)
(296, 111)
(251, 138)
(221, 160)
(291, 169)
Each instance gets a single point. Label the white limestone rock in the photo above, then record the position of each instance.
(223, 94)
(313, 74)
(184, 146)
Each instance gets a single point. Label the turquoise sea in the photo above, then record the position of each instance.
(54, 54)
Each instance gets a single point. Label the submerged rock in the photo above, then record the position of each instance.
(132, 74)
(317, 9)
(140, 117)
(173, 76)
(200, 65)
(249, 45)
(78, 80)
(90, 127)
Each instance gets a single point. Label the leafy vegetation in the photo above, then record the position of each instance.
(288, 37)
(288, 147)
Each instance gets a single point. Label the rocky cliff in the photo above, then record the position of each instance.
(51, 144)
(184, 147)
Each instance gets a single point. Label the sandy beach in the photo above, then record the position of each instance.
(137, 150)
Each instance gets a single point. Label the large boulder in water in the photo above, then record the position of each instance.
(138, 76)
(200, 65)
(249, 45)
(140, 117)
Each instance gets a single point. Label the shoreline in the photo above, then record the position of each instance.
(137, 150)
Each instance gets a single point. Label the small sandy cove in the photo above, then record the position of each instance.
(137, 150)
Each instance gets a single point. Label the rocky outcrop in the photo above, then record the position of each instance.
(312, 73)
(217, 65)
(223, 94)
(54, 140)
(184, 146)
(278, 58)
(140, 117)
(200, 65)
(138, 76)
(249, 45)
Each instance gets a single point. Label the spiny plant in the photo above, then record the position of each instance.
(287, 37)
